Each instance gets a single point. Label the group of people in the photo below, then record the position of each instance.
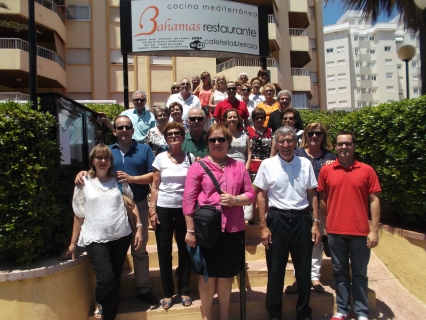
(264, 157)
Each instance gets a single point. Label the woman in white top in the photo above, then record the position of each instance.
(166, 216)
(101, 225)
(246, 89)
(256, 96)
(240, 147)
(219, 92)
(155, 138)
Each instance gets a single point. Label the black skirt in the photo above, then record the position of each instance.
(225, 258)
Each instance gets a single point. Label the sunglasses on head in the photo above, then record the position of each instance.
(139, 100)
(122, 127)
(219, 139)
(312, 133)
(173, 133)
(193, 119)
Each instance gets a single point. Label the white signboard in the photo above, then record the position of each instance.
(201, 25)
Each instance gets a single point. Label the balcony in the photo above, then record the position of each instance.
(14, 96)
(14, 65)
(301, 79)
(274, 34)
(298, 14)
(366, 83)
(300, 50)
(367, 97)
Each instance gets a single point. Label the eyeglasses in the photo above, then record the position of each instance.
(341, 144)
(269, 91)
(259, 118)
(162, 115)
(289, 141)
(289, 118)
(193, 119)
(100, 158)
(185, 84)
(218, 139)
(124, 127)
(231, 89)
(173, 133)
(312, 133)
(139, 100)
(246, 90)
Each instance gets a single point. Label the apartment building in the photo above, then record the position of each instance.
(362, 66)
(79, 53)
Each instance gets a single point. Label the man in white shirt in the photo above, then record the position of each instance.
(287, 185)
(185, 98)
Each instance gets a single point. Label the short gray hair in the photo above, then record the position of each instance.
(284, 131)
(137, 92)
(161, 109)
(193, 108)
(283, 92)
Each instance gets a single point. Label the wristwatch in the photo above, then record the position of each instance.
(316, 220)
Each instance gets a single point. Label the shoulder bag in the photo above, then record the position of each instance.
(129, 205)
(208, 219)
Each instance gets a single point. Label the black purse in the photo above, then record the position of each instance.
(208, 219)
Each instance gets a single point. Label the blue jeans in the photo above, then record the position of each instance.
(345, 248)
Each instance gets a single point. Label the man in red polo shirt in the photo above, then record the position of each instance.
(231, 103)
(348, 190)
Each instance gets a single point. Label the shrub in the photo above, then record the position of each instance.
(31, 212)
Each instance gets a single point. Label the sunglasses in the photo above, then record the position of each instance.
(312, 133)
(122, 127)
(269, 91)
(246, 90)
(185, 84)
(193, 119)
(341, 144)
(219, 139)
(231, 89)
(288, 118)
(173, 133)
(263, 75)
(202, 78)
(139, 100)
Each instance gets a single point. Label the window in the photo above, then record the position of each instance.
(331, 77)
(331, 90)
(416, 90)
(399, 66)
(161, 61)
(388, 62)
(373, 77)
(314, 77)
(414, 64)
(117, 58)
(401, 93)
(80, 56)
(371, 64)
(356, 51)
(356, 38)
(358, 64)
(341, 76)
(340, 49)
(358, 90)
(388, 48)
(329, 50)
(359, 104)
(332, 104)
(415, 76)
(375, 103)
(313, 43)
(80, 12)
(343, 103)
(372, 51)
(374, 90)
(330, 64)
(358, 77)
(361, 38)
(312, 11)
(390, 89)
(341, 63)
(389, 75)
(371, 38)
(342, 90)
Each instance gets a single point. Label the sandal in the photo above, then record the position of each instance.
(291, 289)
(99, 312)
(167, 304)
(318, 288)
(186, 302)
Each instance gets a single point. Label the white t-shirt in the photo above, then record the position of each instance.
(102, 207)
(172, 179)
(257, 98)
(286, 182)
(188, 104)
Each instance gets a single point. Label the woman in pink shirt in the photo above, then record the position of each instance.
(224, 259)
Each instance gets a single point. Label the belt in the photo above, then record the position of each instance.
(306, 211)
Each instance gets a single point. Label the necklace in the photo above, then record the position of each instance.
(222, 165)
(175, 159)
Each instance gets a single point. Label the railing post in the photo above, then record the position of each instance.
(32, 53)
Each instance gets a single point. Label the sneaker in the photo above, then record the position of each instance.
(362, 318)
(340, 316)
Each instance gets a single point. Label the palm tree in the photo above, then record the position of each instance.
(413, 18)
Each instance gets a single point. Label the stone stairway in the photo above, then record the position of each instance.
(323, 305)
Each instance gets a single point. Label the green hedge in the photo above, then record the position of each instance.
(391, 138)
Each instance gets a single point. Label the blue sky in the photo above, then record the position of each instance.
(334, 10)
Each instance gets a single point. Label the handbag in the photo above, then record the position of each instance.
(129, 205)
(208, 219)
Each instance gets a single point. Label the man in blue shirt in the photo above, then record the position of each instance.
(142, 120)
(133, 164)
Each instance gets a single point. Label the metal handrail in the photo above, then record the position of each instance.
(245, 62)
(15, 43)
(51, 6)
(298, 32)
(14, 96)
(299, 72)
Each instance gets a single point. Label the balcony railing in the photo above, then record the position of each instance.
(14, 96)
(271, 19)
(14, 43)
(51, 6)
(298, 32)
(299, 72)
(245, 62)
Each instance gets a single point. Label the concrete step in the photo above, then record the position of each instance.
(257, 276)
(323, 306)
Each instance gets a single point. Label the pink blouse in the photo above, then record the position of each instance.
(234, 180)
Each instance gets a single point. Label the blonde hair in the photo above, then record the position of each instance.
(325, 143)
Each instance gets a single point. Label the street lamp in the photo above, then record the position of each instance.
(406, 53)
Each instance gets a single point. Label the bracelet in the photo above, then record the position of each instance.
(190, 231)
(139, 225)
(315, 220)
(237, 200)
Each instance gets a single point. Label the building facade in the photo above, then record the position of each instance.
(79, 53)
(362, 66)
